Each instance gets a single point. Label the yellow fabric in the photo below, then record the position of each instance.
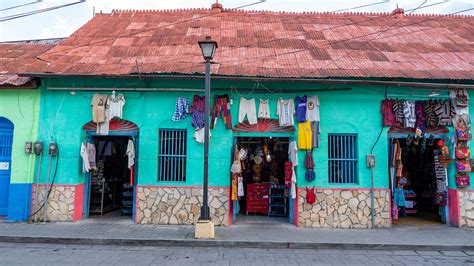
(305, 136)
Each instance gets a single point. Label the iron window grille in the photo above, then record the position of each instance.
(172, 155)
(342, 158)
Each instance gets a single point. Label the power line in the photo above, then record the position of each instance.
(231, 48)
(293, 36)
(22, 5)
(31, 13)
(152, 29)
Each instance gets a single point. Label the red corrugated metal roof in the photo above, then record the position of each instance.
(270, 44)
(17, 58)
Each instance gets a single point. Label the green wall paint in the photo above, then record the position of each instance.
(21, 107)
(350, 111)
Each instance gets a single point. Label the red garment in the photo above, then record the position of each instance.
(288, 173)
(388, 114)
(198, 104)
(221, 107)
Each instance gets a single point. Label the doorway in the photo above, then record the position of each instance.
(265, 198)
(112, 184)
(418, 181)
(6, 142)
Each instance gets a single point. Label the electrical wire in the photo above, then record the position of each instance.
(381, 129)
(31, 13)
(52, 182)
(22, 5)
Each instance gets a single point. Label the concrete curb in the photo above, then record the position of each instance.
(230, 243)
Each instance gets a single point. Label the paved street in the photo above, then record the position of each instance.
(22, 254)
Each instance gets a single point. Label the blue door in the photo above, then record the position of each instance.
(6, 140)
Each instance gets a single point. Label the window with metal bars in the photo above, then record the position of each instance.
(172, 155)
(342, 158)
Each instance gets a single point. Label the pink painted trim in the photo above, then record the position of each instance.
(319, 188)
(454, 211)
(390, 206)
(230, 208)
(59, 185)
(33, 187)
(148, 186)
(136, 204)
(296, 211)
(78, 202)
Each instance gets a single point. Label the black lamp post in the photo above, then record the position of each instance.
(208, 48)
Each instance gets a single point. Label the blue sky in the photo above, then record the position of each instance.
(63, 22)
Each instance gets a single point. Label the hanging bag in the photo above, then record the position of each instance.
(461, 98)
(310, 196)
(310, 176)
(308, 160)
(463, 180)
(463, 152)
(463, 166)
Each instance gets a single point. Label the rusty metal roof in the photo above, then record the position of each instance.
(270, 44)
(17, 58)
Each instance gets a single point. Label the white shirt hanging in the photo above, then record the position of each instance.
(131, 153)
(293, 152)
(264, 109)
(85, 159)
(312, 108)
(286, 111)
(116, 103)
(293, 183)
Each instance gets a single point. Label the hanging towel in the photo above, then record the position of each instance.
(91, 155)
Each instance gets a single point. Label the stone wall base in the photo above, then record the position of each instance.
(336, 208)
(180, 205)
(466, 208)
(60, 203)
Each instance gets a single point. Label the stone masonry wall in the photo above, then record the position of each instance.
(60, 204)
(343, 209)
(466, 208)
(157, 205)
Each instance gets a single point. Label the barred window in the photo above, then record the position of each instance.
(172, 155)
(342, 158)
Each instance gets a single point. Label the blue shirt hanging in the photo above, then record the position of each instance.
(181, 109)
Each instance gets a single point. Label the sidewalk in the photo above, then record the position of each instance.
(124, 232)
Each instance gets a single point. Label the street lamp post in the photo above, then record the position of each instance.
(208, 48)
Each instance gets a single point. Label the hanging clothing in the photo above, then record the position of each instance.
(305, 137)
(130, 153)
(247, 108)
(399, 197)
(301, 108)
(85, 160)
(91, 152)
(240, 186)
(197, 109)
(264, 109)
(444, 109)
(285, 111)
(116, 103)
(398, 111)
(198, 105)
(103, 128)
(199, 135)
(288, 173)
(181, 109)
(293, 183)
(420, 114)
(461, 99)
(315, 133)
(293, 153)
(312, 109)
(221, 107)
(409, 114)
(431, 117)
(99, 103)
(388, 116)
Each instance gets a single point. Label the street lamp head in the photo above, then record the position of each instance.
(208, 48)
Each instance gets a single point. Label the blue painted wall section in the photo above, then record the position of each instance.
(19, 202)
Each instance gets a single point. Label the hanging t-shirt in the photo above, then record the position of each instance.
(264, 109)
(293, 152)
(312, 109)
(301, 109)
(285, 111)
(91, 154)
(116, 103)
(130, 153)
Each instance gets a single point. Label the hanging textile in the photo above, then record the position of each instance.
(98, 104)
(181, 110)
(301, 108)
(285, 111)
(221, 107)
(264, 109)
(420, 114)
(91, 152)
(445, 111)
(398, 106)
(85, 160)
(388, 116)
(130, 153)
(305, 136)
(247, 108)
(409, 115)
(116, 103)
(197, 110)
(293, 152)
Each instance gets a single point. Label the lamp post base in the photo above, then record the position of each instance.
(204, 230)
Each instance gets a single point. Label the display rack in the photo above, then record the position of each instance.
(278, 200)
(127, 200)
